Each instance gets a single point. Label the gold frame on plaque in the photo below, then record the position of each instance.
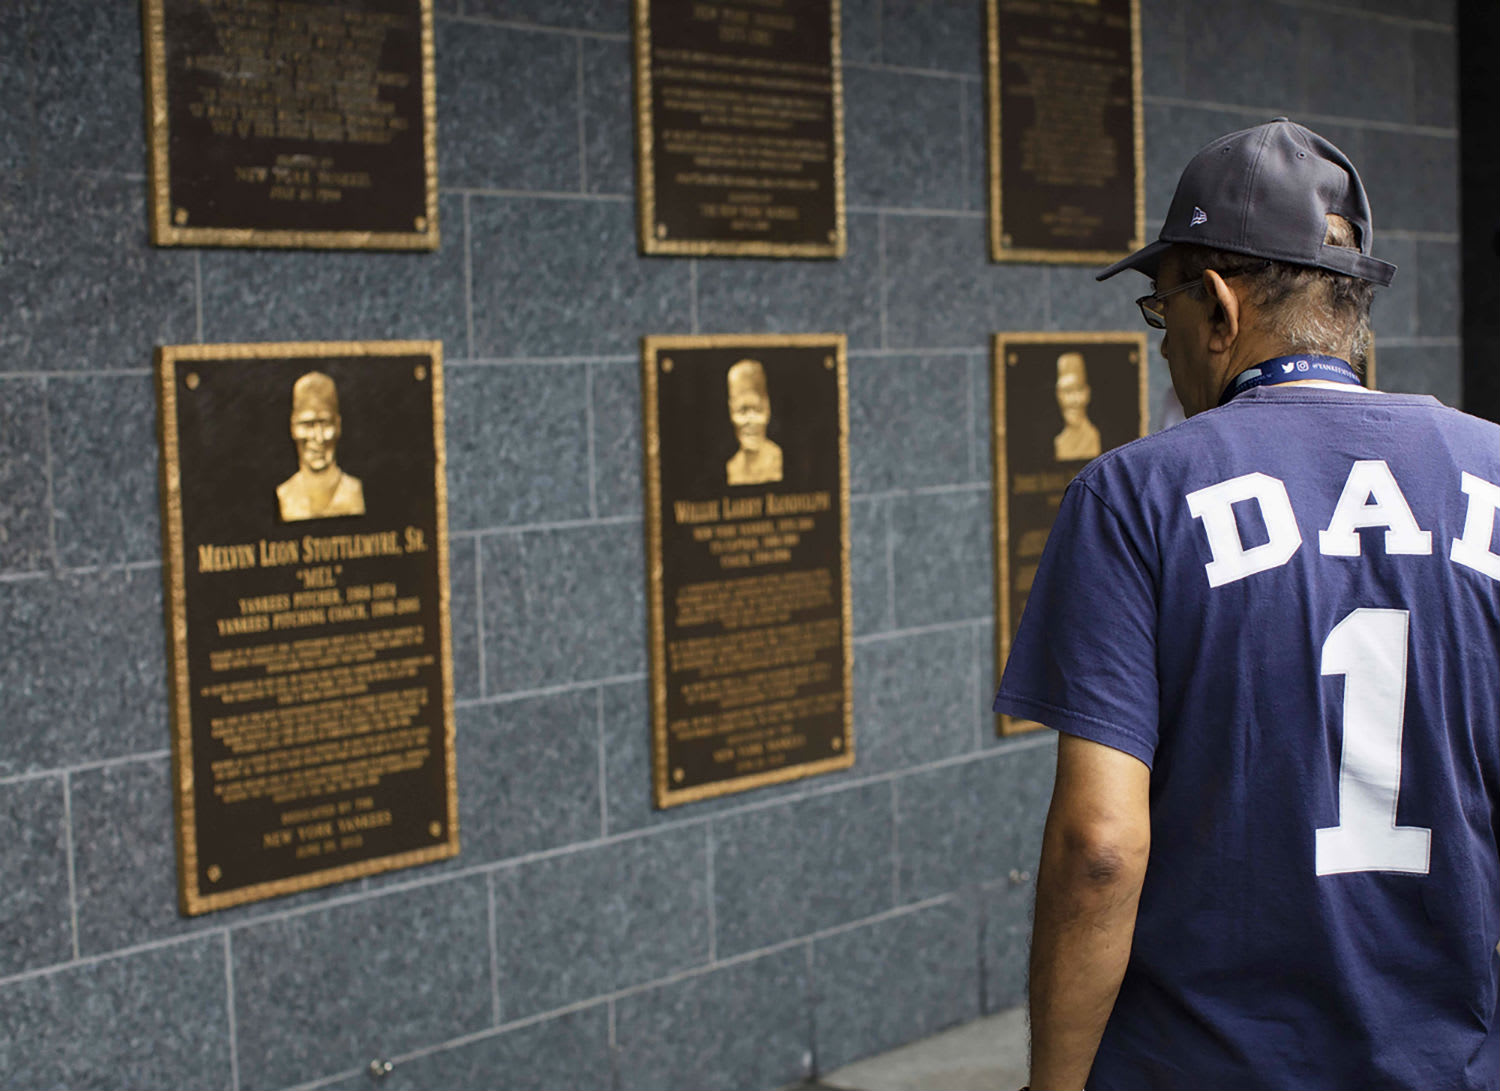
(166, 233)
(651, 347)
(1010, 725)
(646, 178)
(998, 250)
(193, 901)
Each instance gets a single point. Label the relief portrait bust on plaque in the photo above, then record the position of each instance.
(758, 461)
(319, 489)
(1079, 439)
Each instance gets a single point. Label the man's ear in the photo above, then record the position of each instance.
(1224, 327)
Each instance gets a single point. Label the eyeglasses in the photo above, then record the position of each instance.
(1155, 312)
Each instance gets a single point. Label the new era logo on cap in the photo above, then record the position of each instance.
(1199, 217)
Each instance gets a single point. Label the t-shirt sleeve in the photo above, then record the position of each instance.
(1084, 659)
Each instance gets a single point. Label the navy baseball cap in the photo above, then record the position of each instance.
(1266, 192)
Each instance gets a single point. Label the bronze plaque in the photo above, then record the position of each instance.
(301, 123)
(740, 127)
(1067, 162)
(1061, 399)
(747, 561)
(305, 518)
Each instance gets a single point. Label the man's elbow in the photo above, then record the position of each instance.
(1101, 857)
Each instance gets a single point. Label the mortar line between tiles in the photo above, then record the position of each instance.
(494, 938)
(1419, 342)
(713, 917)
(234, 1032)
(48, 463)
(540, 361)
(603, 765)
(908, 70)
(588, 415)
(198, 293)
(84, 767)
(542, 194)
(548, 691)
(80, 570)
(536, 28)
(811, 999)
(67, 787)
(85, 961)
(923, 490)
(1379, 16)
(82, 373)
(478, 610)
(1316, 119)
(880, 31)
(1420, 236)
(965, 351)
(612, 1038)
(961, 625)
(583, 158)
(529, 528)
(901, 210)
(468, 277)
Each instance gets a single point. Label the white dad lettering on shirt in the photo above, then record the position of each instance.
(1370, 498)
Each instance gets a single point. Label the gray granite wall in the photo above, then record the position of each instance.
(583, 939)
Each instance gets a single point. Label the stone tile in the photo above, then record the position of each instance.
(1174, 134)
(87, 68)
(125, 861)
(1007, 938)
(309, 295)
(1435, 69)
(946, 35)
(563, 606)
(798, 296)
(869, 564)
(603, 15)
(528, 775)
(785, 871)
(1244, 49)
(1412, 180)
(966, 824)
(83, 290)
(608, 116)
(742, 1026)
(860, 35)
(982, 416)
(104, 466)
(894, 981)
(151, 1019)
(616, 392)
(1433, 11)
(1076, 301)
(463, 615)
(82, 671)
(18, 121)
(976, 148)
(517, 445)
(515, 132)
(25, 515)
(1331, 77)
(324, 991)
(914, 699)
(1394, 311)
(538, 292)
(941, 291)
(1439, 289)
(569, 1053)
(903, 140)
(1422, 369)
(35, 928)
(942, 546)
(601, 919)
(1164, 45)
(902, 416)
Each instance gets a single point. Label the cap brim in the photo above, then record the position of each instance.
(1147, 259)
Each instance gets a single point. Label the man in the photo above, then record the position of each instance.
(1268, 637)
(319, 489)
(1079, 439)
(758, 461)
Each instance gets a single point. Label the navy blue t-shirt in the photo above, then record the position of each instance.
(1289, 608)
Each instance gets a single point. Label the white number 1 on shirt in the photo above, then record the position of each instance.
(1369, 649)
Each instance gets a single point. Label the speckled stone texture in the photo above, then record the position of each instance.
(555, 278)
(906, 422)
(884, 984)
(608, 117)
(944, 564)
(568, 1053)
(516, 133)
(1440, 289)
(945, 35)
(903, 140)
(601, 919)
(82, 289)
(151, 1019)
(869, 564)
(86, 59)
(1422, 369)
(34, 919)
(82, 672)
(793, 868)
(528, 775)
(563, 605)
(517, 445)
(1007, 906)
(1415, 185)
(1076, 301)
(746, 1025)
(860, 31)
(104, 468)
(1394, 311)
(25, 518)
(615, 390)
(18, 120)
(607, 16)
(1374, 45)
(463, 611)
(914, 698)
(324, 991)
(1435, 65)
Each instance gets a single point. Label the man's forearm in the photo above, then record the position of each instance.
(1085, 918)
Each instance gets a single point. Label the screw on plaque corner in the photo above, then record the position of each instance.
(379, 1069)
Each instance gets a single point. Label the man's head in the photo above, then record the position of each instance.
(1073, 391)
(749, 404)
(1268, 239)
(315, 421)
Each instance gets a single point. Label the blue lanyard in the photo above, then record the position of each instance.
(1292, 369)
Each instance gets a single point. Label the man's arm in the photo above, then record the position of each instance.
(1094, 852)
